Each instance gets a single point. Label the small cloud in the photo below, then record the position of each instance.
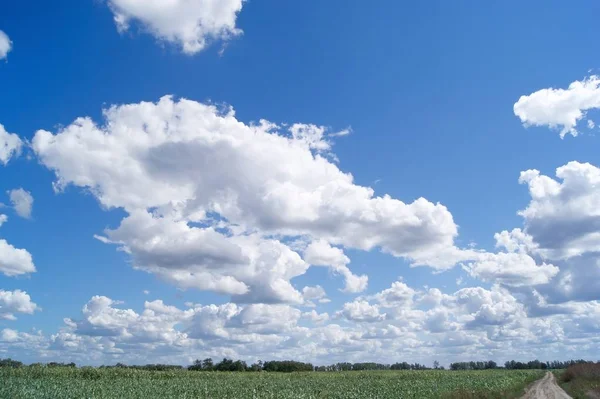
(591, 124)
(341, 133)
(146, 292)
(22, 202)
(5, 45)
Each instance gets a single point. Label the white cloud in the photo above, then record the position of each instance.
(557, 250)
(560, 108)
(22, 201)
(17, 301)
(10, 144)
(564, 217)
(5, 45)
(320, 253)
(361, 311)
(248, 267)
(591, 124)
(316, 317)
(398, 295)
(513, 269)
(316, 293)
(212, 201)
(14, 261)
(192, 25)
(486, 323)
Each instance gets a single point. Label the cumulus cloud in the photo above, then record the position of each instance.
(316, 317)
(316, 293)
(192, 25)
(398, 295)
(17, 301)
(5, 45)
(434, 325)
(514, 269)
(14, 261)
(557, 249)
(321, 253)
(22, 201)
(560, 108)
(361, 311)
(10, 144)
(563, 217)
(213, 203)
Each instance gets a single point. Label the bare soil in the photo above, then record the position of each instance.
(546, 388)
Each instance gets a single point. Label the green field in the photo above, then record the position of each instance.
(51, 383)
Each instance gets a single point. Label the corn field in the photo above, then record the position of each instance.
(51, 383)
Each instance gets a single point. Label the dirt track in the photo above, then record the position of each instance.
(546, 388)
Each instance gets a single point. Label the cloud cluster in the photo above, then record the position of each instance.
(12, 302)
(14, 261)
(560, 108)
(411, 323)
(192, 25)
(561, 226)
(216, 204)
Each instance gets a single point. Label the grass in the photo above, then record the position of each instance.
(581, 381)
(46, 383)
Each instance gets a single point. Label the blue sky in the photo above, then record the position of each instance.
(430, 95)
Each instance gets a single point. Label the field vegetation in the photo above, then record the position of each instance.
(272, 379)
(581, 381)
(42, 382)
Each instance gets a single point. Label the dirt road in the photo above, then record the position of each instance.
(546, 388)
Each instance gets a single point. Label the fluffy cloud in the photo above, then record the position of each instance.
(398, 295)
(513, 269)
(321, 253)
(560, 108)
(361, 311)
(14, 261)
(248, 267)
(10, 143)
(5, 45)
(316, 293)
(22, 201)
(12, 302)
(316, 317)
(564, 217)
(192, 25)
(212, 201)
(557, 250)
(434, 325)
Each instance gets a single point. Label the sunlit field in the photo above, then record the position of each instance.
(43, 382)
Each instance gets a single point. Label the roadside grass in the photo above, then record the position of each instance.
(581, 381)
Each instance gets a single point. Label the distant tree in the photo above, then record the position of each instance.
(207, 364)
(196, 366)
(10, 363)
(436, 364)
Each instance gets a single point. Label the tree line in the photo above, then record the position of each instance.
(288, 366)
